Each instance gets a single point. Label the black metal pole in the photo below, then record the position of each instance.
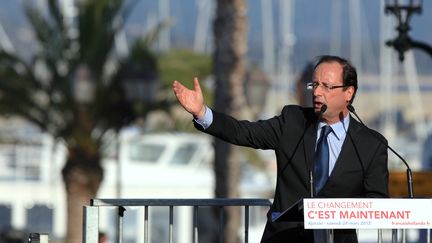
(422, 46)
(403, 42)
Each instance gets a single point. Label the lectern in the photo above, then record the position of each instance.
(294, 217)
(293, 214)
(367, 213)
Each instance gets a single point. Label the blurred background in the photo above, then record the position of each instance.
(86, 107)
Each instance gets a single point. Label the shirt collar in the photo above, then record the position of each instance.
(339, 129)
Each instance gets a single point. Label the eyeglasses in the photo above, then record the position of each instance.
(324, 86)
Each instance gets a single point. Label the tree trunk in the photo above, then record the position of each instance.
(82, 175)
(230, 35)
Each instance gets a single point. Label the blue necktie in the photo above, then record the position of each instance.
(321, 169)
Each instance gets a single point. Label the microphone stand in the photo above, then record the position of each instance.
(311, 182)
(408, 171)
(329, 235)
(311, 179)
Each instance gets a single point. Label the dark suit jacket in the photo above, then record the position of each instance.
(360, 170)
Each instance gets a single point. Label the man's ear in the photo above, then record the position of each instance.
(349, 93)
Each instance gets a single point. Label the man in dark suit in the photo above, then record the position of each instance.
(355, 159)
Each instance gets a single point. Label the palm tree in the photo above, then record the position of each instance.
(73, 88)
(230, 35)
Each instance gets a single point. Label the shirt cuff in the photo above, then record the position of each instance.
(206, 120)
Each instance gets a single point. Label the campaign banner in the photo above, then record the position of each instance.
(367, 213)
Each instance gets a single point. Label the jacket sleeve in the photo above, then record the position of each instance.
(262, 134)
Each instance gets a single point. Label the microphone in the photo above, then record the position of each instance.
(409, 172)
(322, 110)
(311, 178)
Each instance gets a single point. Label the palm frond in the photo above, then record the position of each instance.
(47, 35)
(98, 27)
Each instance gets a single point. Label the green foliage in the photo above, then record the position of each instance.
(183, 65)
(48, 100)
(41, 90)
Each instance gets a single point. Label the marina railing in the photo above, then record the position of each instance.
(92, 217)
(91, 214)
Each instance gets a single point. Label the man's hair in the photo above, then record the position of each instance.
(349, 73)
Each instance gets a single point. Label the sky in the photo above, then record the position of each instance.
(312, 33)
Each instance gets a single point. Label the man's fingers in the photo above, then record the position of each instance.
(197, 86)
(176, 84)
(178, 87)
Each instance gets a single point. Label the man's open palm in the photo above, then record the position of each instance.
(191, 100)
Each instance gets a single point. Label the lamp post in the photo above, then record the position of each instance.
(403, 12)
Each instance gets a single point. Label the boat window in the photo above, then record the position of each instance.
(184, 154)
(147, 153)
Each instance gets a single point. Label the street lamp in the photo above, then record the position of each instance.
(403, 12)
(140, 83)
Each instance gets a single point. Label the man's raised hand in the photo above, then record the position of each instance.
(191, 100)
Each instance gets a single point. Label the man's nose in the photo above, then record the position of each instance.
(318, 90)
